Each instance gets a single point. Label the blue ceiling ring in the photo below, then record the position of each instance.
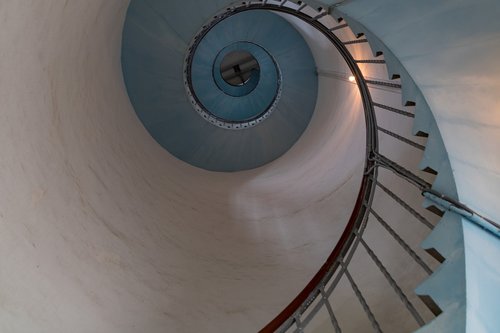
(226, 104)
(238, 91)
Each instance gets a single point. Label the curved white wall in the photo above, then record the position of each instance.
(104, 231)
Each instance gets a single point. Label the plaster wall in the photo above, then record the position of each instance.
(103, 231)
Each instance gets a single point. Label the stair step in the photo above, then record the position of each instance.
(436, 255)
(435, 210)
(422, 134)
(430, 170)
(429, 302)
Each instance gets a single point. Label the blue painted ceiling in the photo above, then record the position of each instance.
(154, 49)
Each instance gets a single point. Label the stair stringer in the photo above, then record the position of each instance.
(448, 236)
(448, 239)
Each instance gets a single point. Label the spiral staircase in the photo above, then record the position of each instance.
(143, 193)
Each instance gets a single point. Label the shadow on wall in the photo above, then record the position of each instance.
(105, 232)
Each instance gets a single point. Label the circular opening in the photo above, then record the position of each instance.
(238, 67)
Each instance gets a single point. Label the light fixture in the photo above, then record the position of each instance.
(352, 78)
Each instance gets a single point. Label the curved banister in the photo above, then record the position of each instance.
(367, 189)
(351, 237)
(331, 264)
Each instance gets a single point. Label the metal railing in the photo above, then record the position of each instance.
(318, 292)
(300, 312)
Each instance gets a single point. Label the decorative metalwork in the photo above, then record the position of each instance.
(356, 41)
(382, 161)
(398, 111)
(364, 304)
(401, 138)
(401, 242)
(370, 61)
(393, 284)
(384, 83)
(191, 93)
(406, 206)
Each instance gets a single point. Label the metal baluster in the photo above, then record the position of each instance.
(393, 284)
(400, 201)
(362, 300)
(407, 175)
(401, 138)
(337, 278)
(298, 322)
(385, 84)
(401, 242)
(314, 310)
(370, 61)
(342, 26)
(348, 259)
(357, 41)
(389, 108)
(329, 308)
(286, 325)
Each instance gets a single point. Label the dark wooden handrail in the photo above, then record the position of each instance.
(344, 242)
(367, 187)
